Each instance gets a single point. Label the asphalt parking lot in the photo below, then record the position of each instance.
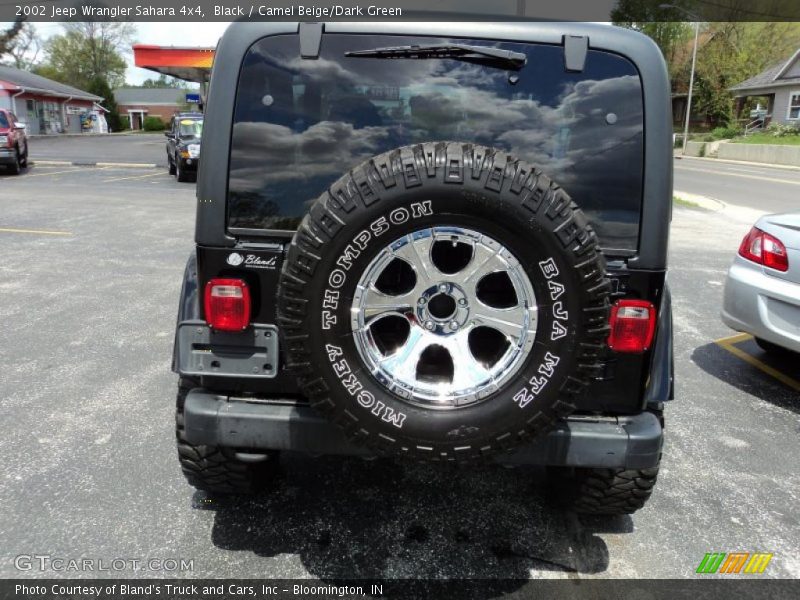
(146, 148)
(89, 283)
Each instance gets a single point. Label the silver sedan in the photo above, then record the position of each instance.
(762, 291)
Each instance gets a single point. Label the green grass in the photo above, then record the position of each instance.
(767, 138)
(683, 202)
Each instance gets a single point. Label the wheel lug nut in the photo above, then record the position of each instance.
(454, 325)
(429, 325)
(443, 288)
(462, 302)
(421, 301)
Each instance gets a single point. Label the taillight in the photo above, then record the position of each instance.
(764, 249)
(227, 304)
(633, 323)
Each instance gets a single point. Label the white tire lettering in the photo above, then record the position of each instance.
(365, 399)
(348, 256)
(549, 268)
(547, 368)
(556, 289)
(393, 417)
(328, 319)
(421, 209)
(341, 368)
(558, 331)
(362, 239)
(336, 279)
(379, 226)
(398, 216)
(523, 398)
(351, 384)
(537, 384)
(559, 312)
(331, 300)
(334, 352)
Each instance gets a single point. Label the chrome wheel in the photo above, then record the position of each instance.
(443, 317)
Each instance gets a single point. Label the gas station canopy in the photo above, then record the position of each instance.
(189, 64)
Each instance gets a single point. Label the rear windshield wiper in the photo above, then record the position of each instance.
(485, 55)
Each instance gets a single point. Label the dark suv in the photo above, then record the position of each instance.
(434, 242)
(183, 145)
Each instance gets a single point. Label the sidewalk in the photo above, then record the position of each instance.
(678, 156)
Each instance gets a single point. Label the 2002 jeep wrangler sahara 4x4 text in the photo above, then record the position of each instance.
(442, 242)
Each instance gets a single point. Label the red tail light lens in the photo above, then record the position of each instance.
(633, 323)
(227, 304)
(764, 249)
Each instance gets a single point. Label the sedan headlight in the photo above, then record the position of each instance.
(194, 150)
(3, 140)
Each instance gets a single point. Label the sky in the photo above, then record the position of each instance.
(161, 34)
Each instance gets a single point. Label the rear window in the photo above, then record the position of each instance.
(299, 124)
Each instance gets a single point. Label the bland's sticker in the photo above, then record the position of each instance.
(252, 261)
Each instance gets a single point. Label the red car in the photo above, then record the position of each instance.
(13, 142)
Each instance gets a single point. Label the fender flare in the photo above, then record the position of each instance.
(189, 305)
(661, 381)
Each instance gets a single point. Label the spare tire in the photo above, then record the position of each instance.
(444, 301)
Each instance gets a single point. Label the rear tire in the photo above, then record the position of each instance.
(23, 160)
(771, 348)
(602, 491)
(214, 468)
(170, 165)
(15, 167)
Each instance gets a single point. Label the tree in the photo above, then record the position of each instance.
(21, 49)
(88, 50)
(728, 51)
(8, 36)
(164, 81)
(733, 52)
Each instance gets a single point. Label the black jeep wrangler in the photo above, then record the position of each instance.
(435, 241)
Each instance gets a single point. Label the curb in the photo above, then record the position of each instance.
(743, 214)
(738, 162)
(38, 136)
(89, 163)
(703, 202)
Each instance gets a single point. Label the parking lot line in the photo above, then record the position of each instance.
(73, 170)
(728, 344)
(36, 231)
(134, 177)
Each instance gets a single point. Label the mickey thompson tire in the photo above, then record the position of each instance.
(401, 202)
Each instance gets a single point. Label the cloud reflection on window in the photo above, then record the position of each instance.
(329, 115)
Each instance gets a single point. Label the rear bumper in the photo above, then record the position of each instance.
(632, 442)
(763, 305)
(7, 156)
(189, 164)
